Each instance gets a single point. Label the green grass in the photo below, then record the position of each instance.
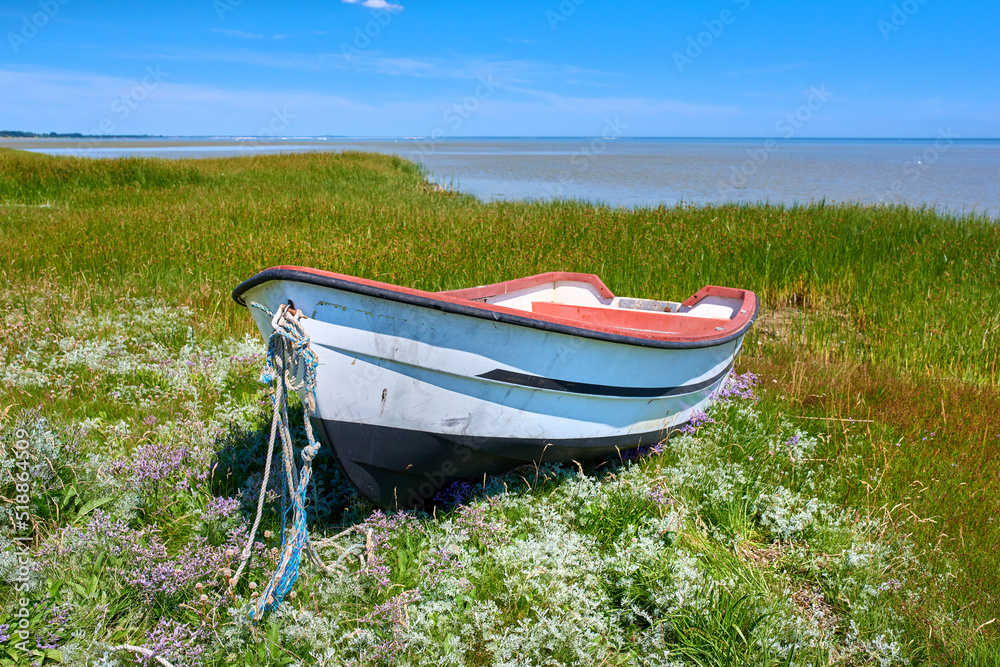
(868, 313)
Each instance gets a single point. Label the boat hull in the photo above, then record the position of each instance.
(405, 468)
(411, 396)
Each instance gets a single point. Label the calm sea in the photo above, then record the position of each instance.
(947, 173)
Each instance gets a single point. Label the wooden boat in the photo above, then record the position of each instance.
(416, 389)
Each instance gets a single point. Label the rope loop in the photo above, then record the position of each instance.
(290, 366)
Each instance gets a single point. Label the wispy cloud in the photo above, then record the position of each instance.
(81, 101)
(239, 34)
(774, 69)
(515, 71)
(236, 33)
(630, 105)
(376, 4)
(47, 99)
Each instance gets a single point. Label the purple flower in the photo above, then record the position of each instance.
(220, 508)
(737, 386)
(443, 563)
(471, 520)
(645, 450)
(175, 642)
(698, 419)
(152, 463)
(659, 496)
(143, 559)
(391, 613)
(380, 528)
(890, 585)
(455, 493)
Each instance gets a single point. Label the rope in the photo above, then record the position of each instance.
(289, 357)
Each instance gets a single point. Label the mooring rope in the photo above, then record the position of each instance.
(290, 366)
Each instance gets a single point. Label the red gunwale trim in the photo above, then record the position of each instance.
(741, 321)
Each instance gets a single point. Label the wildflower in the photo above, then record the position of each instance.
(738, 386)
(152, 463)
(176, 642)
(658, 496)
(698, 418)
(203, 598)
(253, 585)
(220, 508)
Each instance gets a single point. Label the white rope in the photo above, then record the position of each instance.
(245, 556)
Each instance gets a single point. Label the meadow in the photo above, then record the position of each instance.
(838, 506)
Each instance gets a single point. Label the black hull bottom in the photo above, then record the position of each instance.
(399, 468)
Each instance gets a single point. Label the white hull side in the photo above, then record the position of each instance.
(396, 365)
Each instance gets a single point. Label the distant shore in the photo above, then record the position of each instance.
(89, 143)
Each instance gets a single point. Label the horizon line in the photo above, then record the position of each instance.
(76, 135)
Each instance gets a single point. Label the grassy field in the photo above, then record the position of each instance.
(126, 364)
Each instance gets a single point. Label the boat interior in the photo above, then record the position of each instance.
(584, 299)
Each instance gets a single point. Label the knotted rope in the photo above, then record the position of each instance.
(290, 366)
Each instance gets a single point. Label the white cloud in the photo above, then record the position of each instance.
(376, 4)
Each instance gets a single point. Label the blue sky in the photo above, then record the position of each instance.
(874, 68)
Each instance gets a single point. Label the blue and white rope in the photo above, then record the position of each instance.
(290, 366)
